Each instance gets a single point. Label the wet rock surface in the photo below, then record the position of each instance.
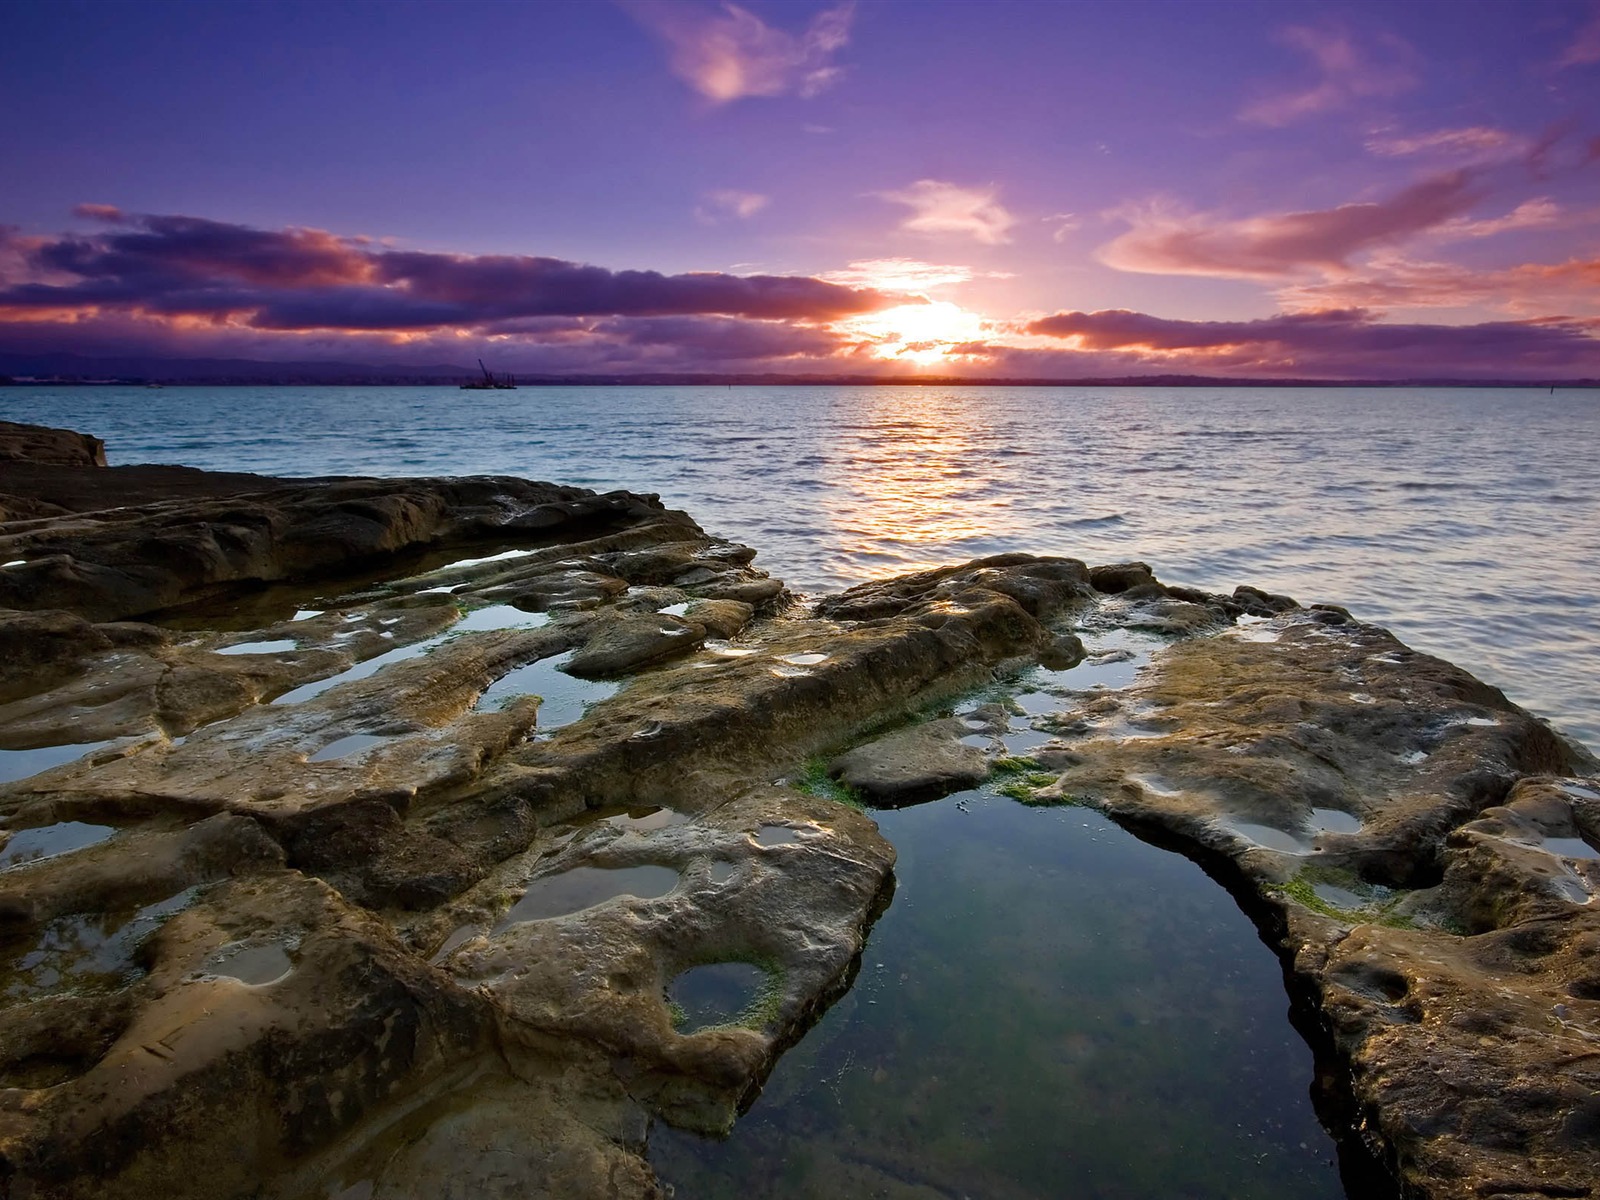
(388, 837)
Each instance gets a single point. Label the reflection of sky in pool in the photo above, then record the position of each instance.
(1049, 1008)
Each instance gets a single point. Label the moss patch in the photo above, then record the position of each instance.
(1377, 907)
(762, 1009)
(814, 780)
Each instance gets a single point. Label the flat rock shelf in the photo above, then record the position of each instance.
(383, 838)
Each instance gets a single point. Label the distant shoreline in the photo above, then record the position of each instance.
(1144, 381)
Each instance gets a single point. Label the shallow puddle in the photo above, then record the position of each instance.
(1113, 659)
(724, 649)
(1333, 820)
(1020, 741)
(346, 746)
(584, 887)
(48, 841)
(277, 647)
(715, 994)
(1038, 704)
(776, 835)
(478, 562)
(86, 952)
(499, 616)
(1570, 847)
(254, 963)
(19, 764)
(1269, 836)
(803, 660)
(721, 872)
(640, 819)
(992, 1047)
(563, 698)
(1340, 898)
(481, 620)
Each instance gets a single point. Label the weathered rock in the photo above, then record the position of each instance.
(55, 447)
(1339, 777)
(456, 913)
(624, 644)
(921, 763)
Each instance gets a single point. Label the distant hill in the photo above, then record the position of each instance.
(79, 368)
(141, 369)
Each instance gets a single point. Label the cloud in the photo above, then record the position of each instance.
(309, 279)
(1584, 49)
(1332, 344)
(108, 213)
(903, 274)
(718, 340)
(731, 53)
(1278, 246)
(1572, 286)
(1344, 71)
(178, 284)
(1477, 143)
(1539, 213)
(1065, 223)
(727, 203)
(941, 208)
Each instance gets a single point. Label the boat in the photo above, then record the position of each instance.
(489, 382)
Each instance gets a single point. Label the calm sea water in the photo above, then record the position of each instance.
(1465, 519)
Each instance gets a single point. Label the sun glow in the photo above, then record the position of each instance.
(923, 334)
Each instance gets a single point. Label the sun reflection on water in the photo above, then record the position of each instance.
(903, 488)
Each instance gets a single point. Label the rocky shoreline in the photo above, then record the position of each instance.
(320, 894)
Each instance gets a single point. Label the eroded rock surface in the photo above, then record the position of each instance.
(394, 809)
(1429, 853)
(357, 834)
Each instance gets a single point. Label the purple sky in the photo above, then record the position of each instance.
(996, 188)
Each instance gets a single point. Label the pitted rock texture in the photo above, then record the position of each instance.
(280, 807)
(1425, 849)
(390, 810)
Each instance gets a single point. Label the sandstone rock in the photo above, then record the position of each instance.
(454, 926)
(624, 644)
(921, 763)
(55, 447)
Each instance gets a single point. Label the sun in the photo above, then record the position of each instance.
(919, 333)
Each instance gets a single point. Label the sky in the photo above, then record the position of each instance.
(1004, 188)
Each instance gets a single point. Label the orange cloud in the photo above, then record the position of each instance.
(732, 54)
(1282, 245)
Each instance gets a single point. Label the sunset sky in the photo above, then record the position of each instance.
(984, 189)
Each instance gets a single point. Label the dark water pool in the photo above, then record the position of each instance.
(1049, 1008)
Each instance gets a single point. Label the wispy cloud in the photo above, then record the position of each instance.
(728, 53)
(1162, 241)
(1572, 286)
(1584, 49)
(727, 203)
(1538, 213)
(1477, 143)
(1344, 70)
(945, 208)
(1065, 223)
(1332, 343)
(905, 274)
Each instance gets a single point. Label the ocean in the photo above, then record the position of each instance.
(1464, 519)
